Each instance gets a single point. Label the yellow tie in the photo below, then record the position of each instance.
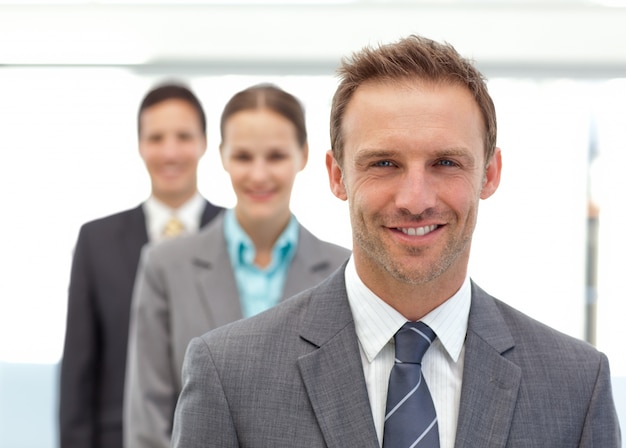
(173, 228)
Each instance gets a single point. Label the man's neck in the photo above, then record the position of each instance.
(411, 300)
(174, 201)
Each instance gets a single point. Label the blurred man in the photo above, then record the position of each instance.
(172, 139)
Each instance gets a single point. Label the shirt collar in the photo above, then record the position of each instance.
(376, 322)
(241, 249)
(157, 214)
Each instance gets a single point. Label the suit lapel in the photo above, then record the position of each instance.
(216, 282)
(490, 381)
(214, 277)
(307, 266)
(210, 211)
(333, 374)
(134, 235)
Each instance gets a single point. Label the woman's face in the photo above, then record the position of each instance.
(260, 152)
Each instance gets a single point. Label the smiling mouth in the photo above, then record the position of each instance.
(171, 170)
(261, 194)
(417, 231)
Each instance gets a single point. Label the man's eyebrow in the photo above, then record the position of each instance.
(459, 153)
(454, 151)
(369, 154)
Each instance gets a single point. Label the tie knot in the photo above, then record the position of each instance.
(412, 341)
(173, 227)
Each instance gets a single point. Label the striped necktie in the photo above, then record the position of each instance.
(410, 418)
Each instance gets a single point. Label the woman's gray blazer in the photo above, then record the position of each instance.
(185, 288)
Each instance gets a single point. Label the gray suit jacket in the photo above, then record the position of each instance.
(185, 288)
(292, 377)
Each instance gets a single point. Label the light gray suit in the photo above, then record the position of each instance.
(292, 377)
(185, 288)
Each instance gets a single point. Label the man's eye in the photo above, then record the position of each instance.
(383, 163)
(446, 162)
(155, 138)
(275, 156)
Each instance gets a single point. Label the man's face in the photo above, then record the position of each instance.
(171, 143)
(414, 171)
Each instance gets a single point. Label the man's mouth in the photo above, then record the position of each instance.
(417, 231)
(261, 193)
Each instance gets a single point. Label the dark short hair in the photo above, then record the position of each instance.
(267, 96)
(413, 57)
(172, 91)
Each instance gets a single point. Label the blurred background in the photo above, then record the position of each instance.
(551, 242)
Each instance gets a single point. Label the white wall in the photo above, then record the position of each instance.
(506, 34)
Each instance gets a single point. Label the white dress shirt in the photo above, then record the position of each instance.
(158, 214)
(376, 323)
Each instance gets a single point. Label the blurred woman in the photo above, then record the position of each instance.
(247, 260)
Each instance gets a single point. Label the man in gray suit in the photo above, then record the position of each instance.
(413, 133)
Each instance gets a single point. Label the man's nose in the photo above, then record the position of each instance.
(415, 191)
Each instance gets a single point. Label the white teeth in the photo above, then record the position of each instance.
(418, 231)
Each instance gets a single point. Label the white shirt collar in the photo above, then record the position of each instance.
(376, 322)
(157, 215)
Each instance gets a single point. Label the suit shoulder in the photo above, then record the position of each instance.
(112, 222)
(274, 323)
(334, 250)
(181, 247)
(309, 308)
(538, 336)
(331, 250)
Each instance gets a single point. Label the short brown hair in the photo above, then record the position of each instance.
(173, 90)
(267, 96)
(410, 57)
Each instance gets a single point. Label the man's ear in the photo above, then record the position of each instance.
(335, 177)
(492, 175)
(305, 156)
(204, 146)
